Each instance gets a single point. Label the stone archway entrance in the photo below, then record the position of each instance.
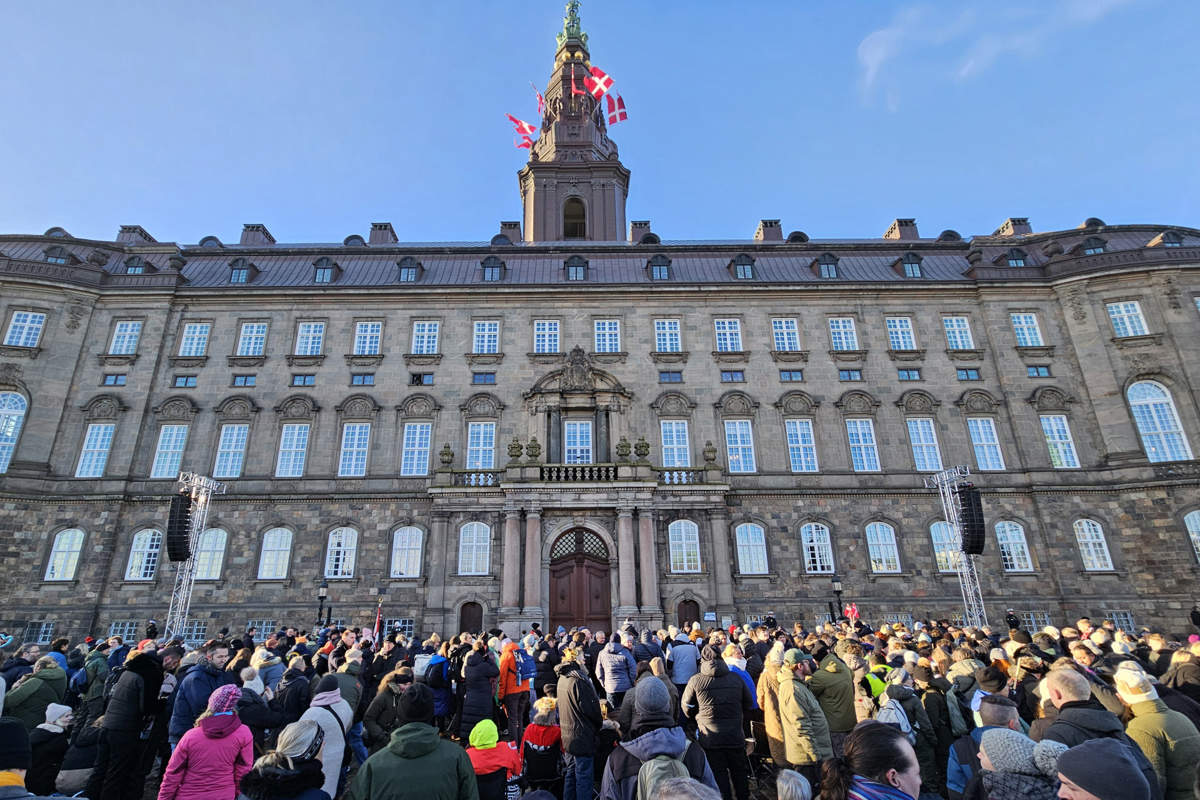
(580, 589)
(689, 612)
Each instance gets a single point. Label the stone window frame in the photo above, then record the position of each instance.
(736, 405)
(158, 558)
(324, 321)
(895, 544)
(533, 334)
(499, 351)
(295, 409)
(52, 548)
(955, 552)
(1168, 385)
(356, 409)
(1087, 517)
(920, 404)
(102, 409)
(342, 525)
(675, 406)
(458, 550)
(181, 327)
(859, 404)
(221, 564)
(833, 554)
(36, 347)
(480, 407)
(352, 353)
(415, 407)
(262, 543)
(237, 409)
(112, 332)
(14, 386)
(1192, 513)
(980, 403)
(699, 551)
(237, 338)
(768, 561)
(606, 355)
(1024, 525)
(421, 550)
(418, 319)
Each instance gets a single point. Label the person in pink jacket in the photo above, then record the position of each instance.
(212, 758)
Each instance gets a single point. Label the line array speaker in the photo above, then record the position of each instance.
(970, 517)
(179, 526)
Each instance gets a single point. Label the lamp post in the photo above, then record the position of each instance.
(322, 594)
(836, 581)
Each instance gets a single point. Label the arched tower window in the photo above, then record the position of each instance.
(12, 415)
(574, 219)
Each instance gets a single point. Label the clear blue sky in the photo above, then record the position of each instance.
(320, 118)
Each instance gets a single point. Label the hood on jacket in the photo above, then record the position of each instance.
(485, 735)
(511, 647)
(55, 677)
(614, 647)
(644, 638)
(218, 727)
(900, 693)
(658, 742)
(715, 667)
(269, 782)
(567, 668)
(414, 740)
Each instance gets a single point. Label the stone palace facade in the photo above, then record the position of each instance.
(580, 421)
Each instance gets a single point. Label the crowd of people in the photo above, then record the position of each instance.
(842, 711)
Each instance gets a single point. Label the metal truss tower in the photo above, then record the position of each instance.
(946, 482)
(201, 490)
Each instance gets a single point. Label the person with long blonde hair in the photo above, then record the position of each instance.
(292, 770)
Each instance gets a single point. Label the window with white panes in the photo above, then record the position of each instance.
(786, 334)
(986, 444)
(341, 553)
(64, 555)
(425, 338)
(729, 335)
(486, 337)
(276, 554)
(12, 417)
(900, 333)
(39, 632)
(210, 552)
(481, 445)
(751, 549)
(958, 333)
(1122, 618)
(252, 339)
(143, 555)
(946, 549)
(24, 329)
(666, 336)
(802, 446)
(864, 455)
(1093, 548)
(882, 549)
(1025, 328)
(403, 625)
(577, 442)
(675, 450)
(293, 447)
(474, 549)
(127, 629)
(125, 337)
(93, 457)
(607, 335)
(842, 333)
(368, 338)
(414, 455)
(1059, 441)
(817, 547)
(194, 632)
(231, 450)
(739, 445)
(1014, 550)
(194, 341)
(168, 454)
(1127, 319)
(923, 438)
(1033, 619)
(406, 552)
(1157, 422)
(683, 545)
(545, 336)
(1192, 523)
(352, 461)
(310, 338)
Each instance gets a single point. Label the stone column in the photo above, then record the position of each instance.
(648, 564)
(436, 596)
(533, 566)
(719, 522)
(602, 454)
(554, 437)
(626, 564)
(510, 591)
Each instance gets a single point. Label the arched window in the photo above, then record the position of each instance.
(945, 547)
(1093, 548)
(1192, 522)
(210, 552)
(1016, 257)
(342, 552)
(143, 555)
(12, 415)
(818, 548)
(474, 549)
(751, 549)
(1014, 551)
(406, 552)
(276, 554)
(64, 555)
(683, 544)
(1157, 422)
(574, 219)
(881, 547)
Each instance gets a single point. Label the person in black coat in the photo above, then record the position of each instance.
(49, 742)
(292, 695)
(717, 699)
(478, 697)
(132, 704)
(256, 713)
(547, 658)
(580, 720)
(646, 648)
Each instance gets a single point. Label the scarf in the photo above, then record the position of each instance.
(740, 663)
(863, 789)
(327, 698)
(10, 778)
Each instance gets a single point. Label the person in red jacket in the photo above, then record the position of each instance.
(488, 754)
(513, 692)
(212, 758)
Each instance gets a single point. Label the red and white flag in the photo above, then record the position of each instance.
(575, 89)
(523, 141)
(541, 100)
(521, 126)
(378, 619)
(599, 83)
(616, 110)
(852, 611)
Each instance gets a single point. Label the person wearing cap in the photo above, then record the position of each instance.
(805, 730)
(580, 720)
(211, 758)
(1167, 738)
(832, 683)
(416, 764)
(718, 700)
(45, 685)
(1101, 769)
(16, 759)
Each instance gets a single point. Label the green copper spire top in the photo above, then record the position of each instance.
(572, 27)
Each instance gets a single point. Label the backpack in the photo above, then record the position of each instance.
(77, 686)
(110, 682)
(656, 770)
(435, 675)
(420, 665)
(894, 714)
(526, 666)
(958, 723)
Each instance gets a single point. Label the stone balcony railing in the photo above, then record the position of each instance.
(517, 473)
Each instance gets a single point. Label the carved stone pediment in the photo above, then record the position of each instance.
(104, 406)
(797, 404)
(578, 375)
(177, 408)
(736, 404)
(298, 406)
(358, 406)
(1050, 398)
(418, 406)
(916, 401)
(238, 407)
(857, 402)
(673, 404)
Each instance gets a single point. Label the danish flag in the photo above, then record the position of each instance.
(852, 610)
(599, 83)
(521, 126)
(524, 141)
(616, 110)
(541, 100)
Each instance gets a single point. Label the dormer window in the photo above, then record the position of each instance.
(492, 268)
(56, 255)
(576, 268)
(827, 266)
(134, 265)
(410, 270)
(1092, 246)
(1171, 239)
(239, 271)
(660, 268)
(1016, 257)
(324, 270)
(743, 268)
(912, 265)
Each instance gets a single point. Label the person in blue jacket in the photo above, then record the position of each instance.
(191, 698)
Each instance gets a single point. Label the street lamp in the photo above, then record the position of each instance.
(322, 594)
(837, 592)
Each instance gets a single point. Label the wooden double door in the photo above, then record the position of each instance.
(580, 582)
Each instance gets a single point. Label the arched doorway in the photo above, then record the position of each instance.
(579, 581)
(689, 612)
(470, 618)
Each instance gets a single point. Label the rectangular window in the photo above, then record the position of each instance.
(802, 447)
(1059, 441)
(323, 275)
(864, 456)
(729, 335)
(414, 458)
(353, 460)
(483, 378)
(491, 273)
(900, 333)
(135, 270)
(923, 438)
(849, 374)
(545, 336)
(1127, 318)
(420, 379)
(304, 380)
(310, 338)
(670, 376)
(1025, 327)
(660, 272)
(908, 374)
(487, 337)
(578, 438)
(786, 334)
(666, 336)
(743, 272)
(576, 272)
(733, 376)
(481, 445)
(362, 379)
(967, 374)
(958, 333)
(125, 337)
(293, 446)
(739, 445)
(842, 335)
(25, 329)
(245, 380)
(675, 450)
(231, 451)
(425, 338)
(608, 335)
(408, 274)
(114, 379)
(239, 275)
(194, 341)
(184, 382)
(1038, 371)
(791, 375)
(97, 441)
(252, 340)
(171, 439)
(987, 446)
(367, 338)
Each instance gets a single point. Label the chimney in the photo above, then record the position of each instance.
(637, 229)
(382, 233)
(903, 229)
(134, 234)
(512, 230)
(256, 234)
(1013, 226)
(768, 231)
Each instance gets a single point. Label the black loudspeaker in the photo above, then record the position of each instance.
(970, 517)
(179, 526)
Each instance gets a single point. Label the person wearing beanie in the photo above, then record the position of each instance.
(541, 748)
(292, 769)
(718, 700)
(1101, 769)
(488, 754)
(16, 758)
(1008, 769)
(805, 730)
(417, 762)
(255, 711)
(212, 758)
(331, 711)
(383, 715)
(48, 743)
(932, 692)
(1167, 738)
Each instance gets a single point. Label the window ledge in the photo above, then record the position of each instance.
(757, 577)
(474, 580)
(422, 359)
(906, 355)
(70, 584)
(188, 362)
(789, 356)
(608, 358)
(1176, 469)
(848, 355)
(20, 352)
(964, 355)
(363, 359)
(731, 356)
(545, 358)
(406, 581)
(475, 359)
(669, 356)
(116, 359)
(351, 580)
(294, 360)
(1040, 351)
(686, 576)
(121, 584)
(284, 582)
(1103, 573)
(872, 577)
(1137, 341)
(245, 361)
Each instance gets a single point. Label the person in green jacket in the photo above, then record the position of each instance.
(833, 685)
(417, 764)
(28, 701)
(1167, 738)
(805, 729)
(97, 669)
